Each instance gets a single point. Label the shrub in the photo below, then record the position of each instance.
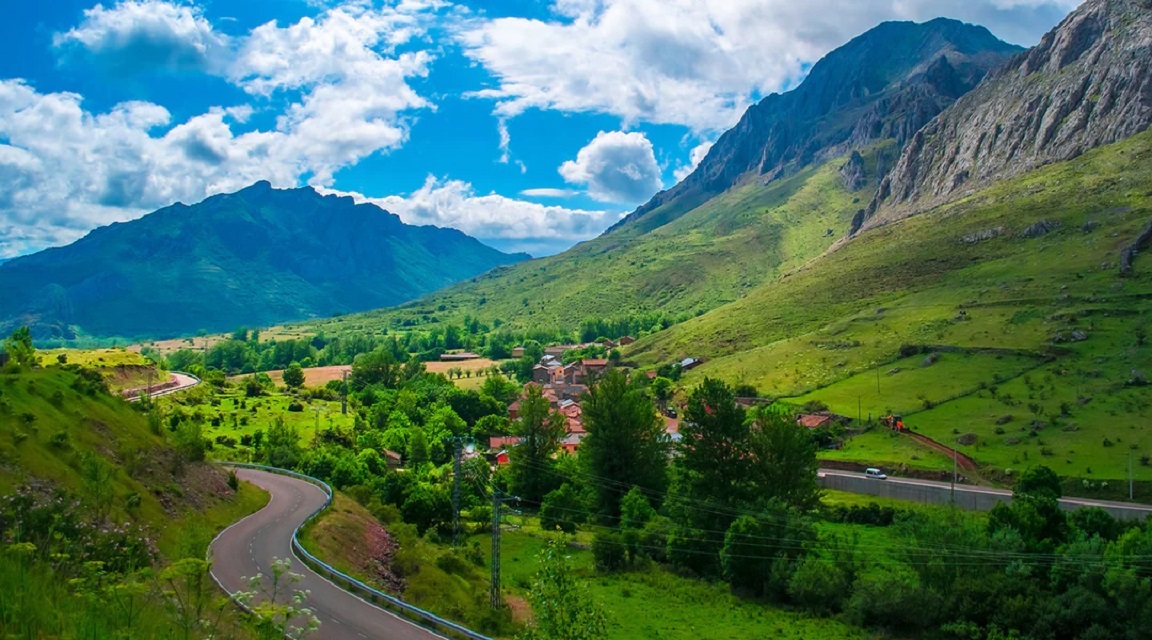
(60, 440)
(295, 407)
(608, 551)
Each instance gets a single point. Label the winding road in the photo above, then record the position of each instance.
(249, 546)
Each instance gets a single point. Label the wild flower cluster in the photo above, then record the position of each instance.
(62, 531)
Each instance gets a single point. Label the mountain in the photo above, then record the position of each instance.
(1087, 84)
(883, 85)
(255, 257)
(773, 193)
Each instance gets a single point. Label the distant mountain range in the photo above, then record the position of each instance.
(252, 258)
(773, 193)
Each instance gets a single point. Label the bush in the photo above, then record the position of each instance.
(61, 440)
(818, 585)
(295, 407)
(608, 551)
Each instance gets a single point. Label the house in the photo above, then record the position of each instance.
(541, 374)
(672, 429)
(497, 443)
(626, 340)
(518, 352)
(571, 442)
(652, 375)
(813, 421)
(514, 410)
(690, 363)
(501, 458)
(558, 350)
(608, 344)
(458, 357)
(392, 460)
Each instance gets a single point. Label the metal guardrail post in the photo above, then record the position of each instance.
(352, 585)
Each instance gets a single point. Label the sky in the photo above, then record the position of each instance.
(529, 124)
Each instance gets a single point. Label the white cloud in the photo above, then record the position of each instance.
(66, 170)
(512, 225)
(549, 193)
(694, 158)
(616, 167)
(698, 63)
(137, 35)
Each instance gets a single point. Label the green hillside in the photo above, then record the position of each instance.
(1041, 334)
(709, 256)
(106, 516)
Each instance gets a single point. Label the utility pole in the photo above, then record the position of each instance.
(456, 468)
(498, 499)
(344, 394)
(316, 436)
(953, 478)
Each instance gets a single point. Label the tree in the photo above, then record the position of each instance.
(561, 607)
(564, 508)
(19, 347)
(710, 477)
(294, 376)
(661, 389)
(626, 445)
(760, 552)
(500, 388)
(376, 367)
(784, 459)
(540, 430)
(1035, 512)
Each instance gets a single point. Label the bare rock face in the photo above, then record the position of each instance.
(883, 85)
(853, 172)
(1087, 84)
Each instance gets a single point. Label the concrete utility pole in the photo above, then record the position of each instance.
(344, 394)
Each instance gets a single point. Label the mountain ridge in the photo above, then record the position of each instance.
(1088, 83)
(253, 257)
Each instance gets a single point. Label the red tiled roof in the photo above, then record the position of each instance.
(594, 362)
(500, 442)
(812, 421)
(651, 375)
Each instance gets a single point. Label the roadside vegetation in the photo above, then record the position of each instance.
(105, 514)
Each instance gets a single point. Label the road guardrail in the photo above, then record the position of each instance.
(415, 614)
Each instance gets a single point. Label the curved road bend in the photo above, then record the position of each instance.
(248, 547)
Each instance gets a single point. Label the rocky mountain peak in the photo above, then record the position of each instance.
(883, 84)
(1087, 83)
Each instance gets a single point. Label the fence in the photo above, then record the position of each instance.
(409, 612)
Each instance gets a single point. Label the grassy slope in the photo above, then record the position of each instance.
(710, 255)
(688, 608)
(841, 319)
(184, 511)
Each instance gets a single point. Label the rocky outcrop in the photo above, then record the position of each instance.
(1087, 84)
(883, 85)
(853, 173)
(1143, 239)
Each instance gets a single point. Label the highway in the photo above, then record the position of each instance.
(990, 493)
(249, 546)
(183, 381)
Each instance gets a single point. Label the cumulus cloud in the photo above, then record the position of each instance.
(507, 223)
(616, 167)
(148, 34)
(694, 158)
(698, 63)
(65, 170)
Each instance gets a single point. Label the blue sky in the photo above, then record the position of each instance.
(531, 125)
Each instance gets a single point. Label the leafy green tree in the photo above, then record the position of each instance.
(710, 477)
(760, 552)
(294, 376)
(19, 347)
(661, 389)
(1034, 512)
(564, 508)
(531, 462)
(417, 448)
(502, 389)
(376, 367)
(561, 607)
(280, 447)
(784, 459)
(626, 444)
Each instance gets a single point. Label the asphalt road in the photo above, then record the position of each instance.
(249, 546)
(968, 488)
(183, 382)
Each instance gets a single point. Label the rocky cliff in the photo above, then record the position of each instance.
(885, 84)
(1088, 83)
